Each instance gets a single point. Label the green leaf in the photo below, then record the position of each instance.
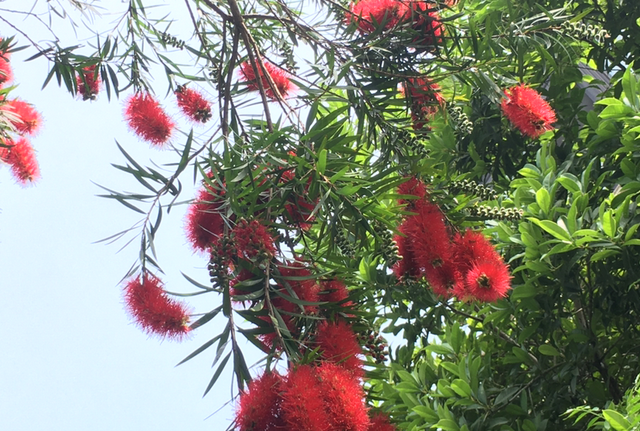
(461, 388)
(214, 379)
(524, 291)
(570, 182)
(616, 420)
(609, 224)
(322, 161)
(506, 395)
(548, 350)
(552, 228)
(629, 87)
(544, 200)
(446, 425)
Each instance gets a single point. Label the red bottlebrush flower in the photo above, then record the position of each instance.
(338, 344)
(304, 287)
(22, 159)
(193, 104)
(88, 83)
(28, 120)
(446, 279)
(380, 422)
(280, 78)
(335, 292)
(412, 187)
(407, 266)
(204, 221)
(252, 239)
(488, 281)
(6, 73)
(425, 99)
(303, 401)
(299, 208)
(370, 14)
(428, 236)
(259, 406)
(424, 20)
(472, 247)
(147, 119)
(343, 399)
(153, 310)
(528, 111)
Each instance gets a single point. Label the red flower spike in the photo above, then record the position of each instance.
(193, 104)
(303, 403)
(335, 292)
(426, 100)
(147, 119)
(446, 279)
(407, 266)
(528, 111)
(204, 222)
(22, 159)
(88, 83)
(380, 422)
(253, 239)
(6, 72)
(488, 281)
(338, 344)
(153, 310)
(299, 208)
(343, 399)
(280, 78)
(369, 14)
(428, 236)
(424, 20)
(473, 247)
(412, 187)
(306, 289)
(28, 119)
(259, 406)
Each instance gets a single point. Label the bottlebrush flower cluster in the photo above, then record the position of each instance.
(425, 100)
(18, 120)
(88, 83)
(280, 78)
(465, 265)
(421, 16)
(147, 119)
(193, 104)
(527, 110)
(325, 394)
(153, 310)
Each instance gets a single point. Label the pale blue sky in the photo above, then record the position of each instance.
(70, 358)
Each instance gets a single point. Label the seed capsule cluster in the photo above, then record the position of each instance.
(219, 262)
(495, 213)
(417, 147)
(374, 345)
(580, 30)
(460, 121)
(173, 41)
(343, 243)
(388, 246)
(471, 187)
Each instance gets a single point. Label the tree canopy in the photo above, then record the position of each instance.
(459, 178)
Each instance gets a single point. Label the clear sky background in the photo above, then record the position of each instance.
(70, 357)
